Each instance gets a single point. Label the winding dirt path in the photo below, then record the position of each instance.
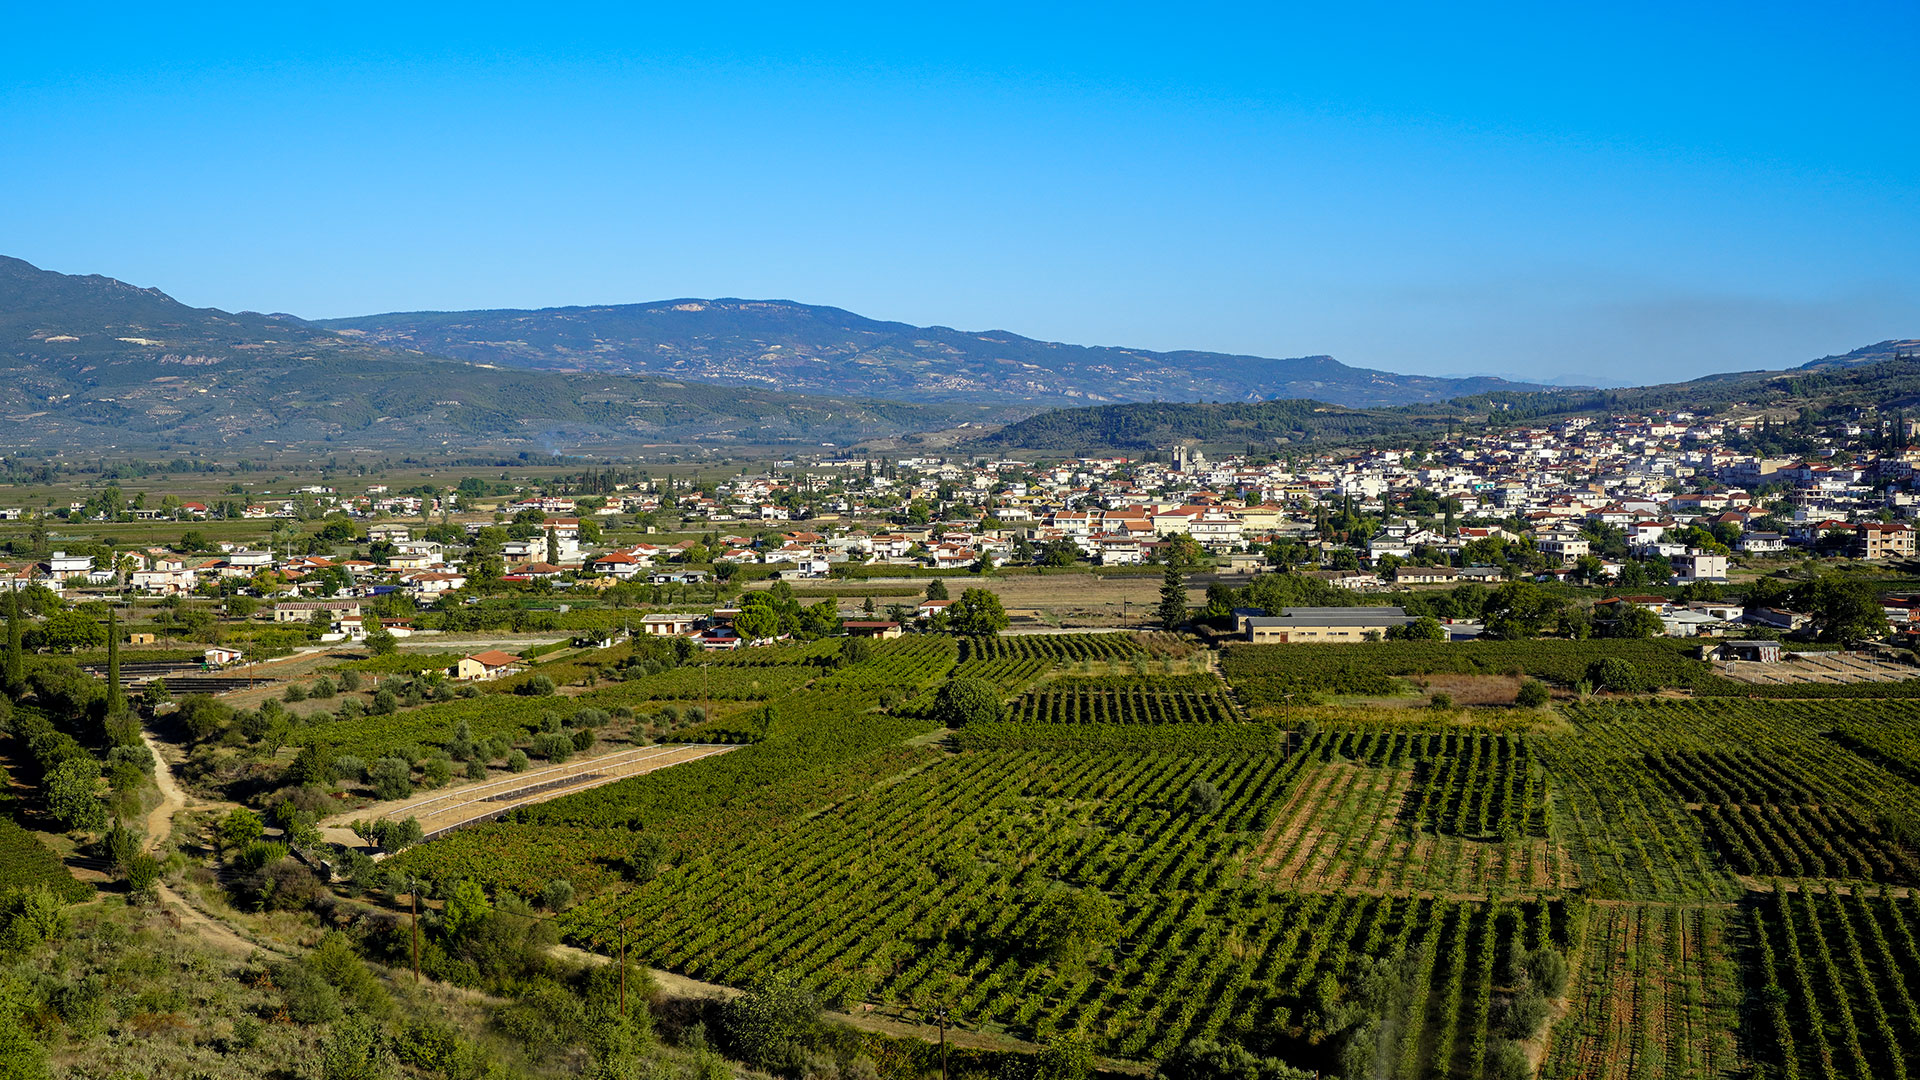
(159, 827)
(159, 823)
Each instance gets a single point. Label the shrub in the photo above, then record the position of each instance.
(557, 895)
(1202, 798)
(476, 769)
(308, 998)
(392, 778)
(966, 701)
(436, 772)
(1525, 1014)
(537, 686)
(517, 761)
(1617, 675)
(553, 746)
(1533, 694)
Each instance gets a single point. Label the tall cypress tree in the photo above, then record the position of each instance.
(16, 675)
(115, 698)
(1173, 597)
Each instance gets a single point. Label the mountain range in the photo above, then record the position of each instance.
(95, 364)
(825, 350)
(98, 364)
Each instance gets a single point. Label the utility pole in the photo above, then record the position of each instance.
(414, 894)
(940, 1014)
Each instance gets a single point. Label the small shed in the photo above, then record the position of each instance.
(1758, 651)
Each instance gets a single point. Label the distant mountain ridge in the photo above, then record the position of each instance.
(1904, 348)
(94, 363)
(808, 348)
(1886, 376)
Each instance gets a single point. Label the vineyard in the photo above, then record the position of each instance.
(26, 862)
(1266, 674)
(1838, 975)
(1418, 814)
(1127, 859)
(1194, 699)
(1657, 996)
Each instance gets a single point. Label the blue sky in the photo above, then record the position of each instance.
(1627, 192)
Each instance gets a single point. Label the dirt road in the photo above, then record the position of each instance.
(450, 808)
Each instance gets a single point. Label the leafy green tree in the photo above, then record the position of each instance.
(1424, 628)
(380, 640)
(1849, 611)
(1173, 597)
(391, 777)
(757, 622)
(466, 906)
(1203, 798)
(937, 589)
(821, 620)
(72, 798)
(240, 827)
(1519, 609)
(68, 631)
(772, 1025)
(977, 612)
(1613, 673)
(1638, 622)
(966, 700)
(1057, 553)
(1533, 694)
(1070, 927)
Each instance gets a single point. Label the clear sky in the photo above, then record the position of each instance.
(1625, 192)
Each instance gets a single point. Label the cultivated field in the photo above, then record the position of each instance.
(1138, 854)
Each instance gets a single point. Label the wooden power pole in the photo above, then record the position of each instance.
(414, 893)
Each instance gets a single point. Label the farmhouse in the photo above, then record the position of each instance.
(491, 664)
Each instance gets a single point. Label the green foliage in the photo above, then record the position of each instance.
(1532, 694)
(72, 792)
(1615, 674)
(466, 906)
(26, 863)
(963, 701)
(772, 1025)
(1069, 927)
(1205, 1059)
(240, 828)
(391, 778)
(1264, 674)
(977, 612)
(1203, 797)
